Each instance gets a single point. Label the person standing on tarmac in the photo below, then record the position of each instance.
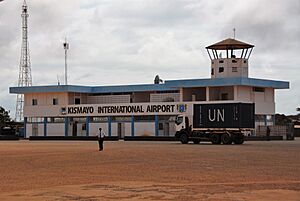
(101, 136)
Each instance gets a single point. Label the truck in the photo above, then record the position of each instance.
(218, 123)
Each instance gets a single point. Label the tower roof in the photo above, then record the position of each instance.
(229, 43)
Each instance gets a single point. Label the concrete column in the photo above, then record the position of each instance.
(207, 93)
(45, 126)
(156, 125)
(235, 93)
(181, 94)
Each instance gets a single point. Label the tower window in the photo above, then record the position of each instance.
(212, 71)
(221, 61)
(221, 69)
(234, 61)
(234, 69)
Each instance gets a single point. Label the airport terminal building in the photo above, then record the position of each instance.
(147, 109)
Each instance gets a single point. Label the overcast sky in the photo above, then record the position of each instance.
(130, 41)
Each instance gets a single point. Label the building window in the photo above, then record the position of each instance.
(212, 71)
(234, 61)
(168, 99)
(224, 96)
(34, 102)
(234, 69)
(77, 101)
(99, 119)
(258, 89)
(55, 120)
(55, 101)
(221, 61)
(221, 69)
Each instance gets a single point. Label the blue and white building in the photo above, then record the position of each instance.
(147, 109)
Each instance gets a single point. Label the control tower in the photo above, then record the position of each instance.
(229, 58)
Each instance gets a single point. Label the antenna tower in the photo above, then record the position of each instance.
(25, 79)
(66, 47)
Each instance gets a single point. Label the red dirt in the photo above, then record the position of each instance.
(55, 170)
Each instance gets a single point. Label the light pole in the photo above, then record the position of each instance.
(66, 47)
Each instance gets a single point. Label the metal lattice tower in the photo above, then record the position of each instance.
(25, 79)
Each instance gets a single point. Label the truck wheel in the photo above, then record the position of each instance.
(226, 139)
(215, 139)
(184, 138)
(239, 140)
(196, 141)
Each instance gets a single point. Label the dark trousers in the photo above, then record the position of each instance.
(100, 142)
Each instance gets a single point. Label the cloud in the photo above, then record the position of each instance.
(128, 42)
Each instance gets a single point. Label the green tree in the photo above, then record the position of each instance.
(4, 117)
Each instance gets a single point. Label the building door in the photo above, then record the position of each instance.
(35, 130)
(74, 130)
(121, 130)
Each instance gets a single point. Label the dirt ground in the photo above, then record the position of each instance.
(56, 170)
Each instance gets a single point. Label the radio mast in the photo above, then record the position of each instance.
(25, 78)
(66, 47)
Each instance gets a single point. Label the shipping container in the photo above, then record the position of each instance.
(229, 115)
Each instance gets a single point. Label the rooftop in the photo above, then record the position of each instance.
(167, 86)
(230, 44)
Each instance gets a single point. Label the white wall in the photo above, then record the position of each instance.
(42, 111)
(243, 93)
(94, 128)
(127, 127)
(46, 98)
(144, 128)
(265, 108)
(80, 132)
(55, 129)
(28, 130)
(40, 129)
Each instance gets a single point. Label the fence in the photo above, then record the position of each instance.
(286, 131)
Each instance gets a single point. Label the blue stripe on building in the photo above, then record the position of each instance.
(109, 126)
(66, 126)
(87, 126)
(156, 125)
(25, 129)
(132, 126)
